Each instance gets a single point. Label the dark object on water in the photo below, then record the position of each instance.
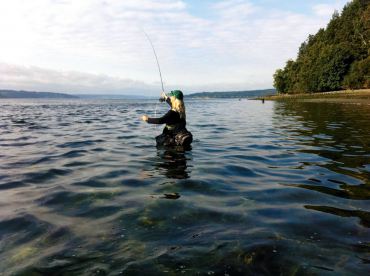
(182, 138)
(172, 196)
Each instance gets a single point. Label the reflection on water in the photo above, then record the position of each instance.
(173, 163)
(362, 215)
(361, 192)
(267, 189)
(340, 134)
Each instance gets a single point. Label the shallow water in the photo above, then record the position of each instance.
(268, 189)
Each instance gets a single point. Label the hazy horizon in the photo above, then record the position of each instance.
(140, 94)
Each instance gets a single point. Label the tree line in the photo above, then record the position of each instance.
(336, 57)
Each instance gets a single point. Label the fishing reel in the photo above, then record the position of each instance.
(163, 97)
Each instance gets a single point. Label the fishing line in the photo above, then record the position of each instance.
(159, 69)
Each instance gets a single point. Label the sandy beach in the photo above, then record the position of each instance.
(344, 96)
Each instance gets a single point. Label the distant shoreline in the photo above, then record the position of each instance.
(231, 94)
(361, 95)
(21, 94)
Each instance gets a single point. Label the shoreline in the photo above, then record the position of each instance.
(360, 96)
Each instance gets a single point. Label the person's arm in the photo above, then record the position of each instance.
(166, 98)
(166, 118)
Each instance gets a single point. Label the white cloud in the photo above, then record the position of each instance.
(323, 9)
(327, 10)
(234, 9)
(41, 79)
(237, 45)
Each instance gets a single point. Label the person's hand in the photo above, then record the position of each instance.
(164, 96)
(144, 118)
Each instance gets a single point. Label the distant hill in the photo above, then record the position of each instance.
(233, 94)
(111, 97)
(14, 94)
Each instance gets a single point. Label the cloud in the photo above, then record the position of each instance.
(234, 9)
(327, 10)
(236, 43)
(41, 79)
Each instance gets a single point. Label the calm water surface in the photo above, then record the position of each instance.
(267, 189)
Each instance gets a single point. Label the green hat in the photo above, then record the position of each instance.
(177, 94)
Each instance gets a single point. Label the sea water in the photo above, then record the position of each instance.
(280, 188)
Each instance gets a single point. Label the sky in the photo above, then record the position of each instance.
(99, 46)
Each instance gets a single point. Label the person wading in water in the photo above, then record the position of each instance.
(175, 132)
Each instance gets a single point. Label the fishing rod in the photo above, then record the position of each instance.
(159, 69)
(156, 58)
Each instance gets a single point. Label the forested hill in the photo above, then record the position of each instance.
(12, 94)
(335, 58)
(233, 94)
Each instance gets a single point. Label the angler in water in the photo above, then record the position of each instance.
(175, 132)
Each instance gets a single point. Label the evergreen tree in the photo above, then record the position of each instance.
(334, 58)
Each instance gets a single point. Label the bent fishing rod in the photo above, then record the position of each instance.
(156, 58)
